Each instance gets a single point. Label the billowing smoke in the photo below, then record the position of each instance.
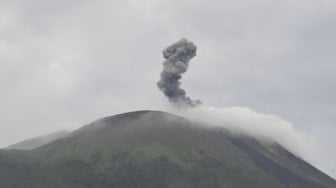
(177, 60)
(240, 120)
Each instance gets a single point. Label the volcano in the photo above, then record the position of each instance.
(150, 149)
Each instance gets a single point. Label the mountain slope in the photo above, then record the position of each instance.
(156, 149)
(36, 142)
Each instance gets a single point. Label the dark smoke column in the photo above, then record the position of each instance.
(177, 58)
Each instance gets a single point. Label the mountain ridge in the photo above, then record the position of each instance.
(38, 141)
(128, 150)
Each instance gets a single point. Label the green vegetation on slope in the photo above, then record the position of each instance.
(155, 149)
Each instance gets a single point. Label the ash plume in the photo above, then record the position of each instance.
(177, 60)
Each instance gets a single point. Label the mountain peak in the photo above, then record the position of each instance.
(158, 149)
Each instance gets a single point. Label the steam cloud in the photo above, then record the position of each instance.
(177, 60)
(268, 128)
(240, 120)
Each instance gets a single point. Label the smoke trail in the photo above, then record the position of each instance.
(177, 58)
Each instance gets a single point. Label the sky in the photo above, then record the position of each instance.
(66, 63)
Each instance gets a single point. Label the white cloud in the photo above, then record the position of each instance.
(242, 120)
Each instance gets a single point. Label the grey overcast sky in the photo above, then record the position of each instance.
(65, 63)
